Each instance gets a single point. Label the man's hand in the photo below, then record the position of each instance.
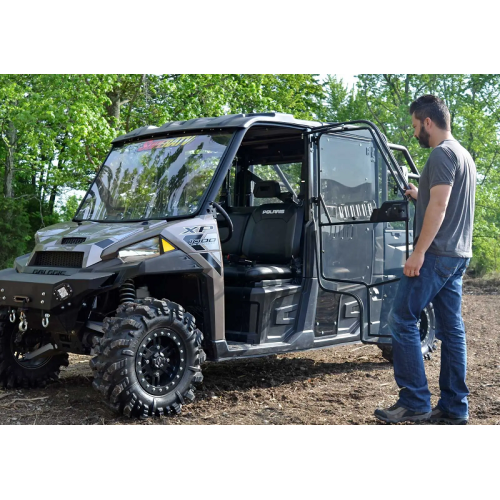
(413, 191)
(413, 264)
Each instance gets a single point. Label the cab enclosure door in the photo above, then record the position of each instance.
(364, 224)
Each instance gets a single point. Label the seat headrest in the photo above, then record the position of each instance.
(267, 189)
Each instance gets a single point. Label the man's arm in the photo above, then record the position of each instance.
(434, 216)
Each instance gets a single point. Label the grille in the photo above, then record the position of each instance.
(73, 241)
(58, 259)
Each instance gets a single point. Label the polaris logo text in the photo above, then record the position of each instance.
(273, 212)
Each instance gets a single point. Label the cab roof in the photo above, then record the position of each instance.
(221, 122)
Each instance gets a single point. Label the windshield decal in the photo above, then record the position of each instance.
(166, 143)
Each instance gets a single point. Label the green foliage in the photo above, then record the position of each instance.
(340, 104)
(15, 230)
(68, 211)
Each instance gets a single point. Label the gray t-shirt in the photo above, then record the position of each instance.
(449, 163)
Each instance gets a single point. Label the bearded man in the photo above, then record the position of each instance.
(433, 273)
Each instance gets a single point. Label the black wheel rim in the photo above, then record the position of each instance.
(18, 351)
(423, 326)
(160, 361)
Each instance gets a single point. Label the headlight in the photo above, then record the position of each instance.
(140, 251)
(144, 250)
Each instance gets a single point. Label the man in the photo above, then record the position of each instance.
(433, 273)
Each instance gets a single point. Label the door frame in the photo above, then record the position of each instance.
(380, 142)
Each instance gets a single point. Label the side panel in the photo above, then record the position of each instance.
(261, 314)
(199, 238)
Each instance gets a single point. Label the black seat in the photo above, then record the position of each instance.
(271, 238)
(234, 244)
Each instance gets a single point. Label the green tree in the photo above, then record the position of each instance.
(68, 210)
(340, 104)
(14, 230)
(474, 106)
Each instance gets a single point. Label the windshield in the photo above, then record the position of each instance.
(154, 179)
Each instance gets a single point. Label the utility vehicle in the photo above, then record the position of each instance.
(214, 238)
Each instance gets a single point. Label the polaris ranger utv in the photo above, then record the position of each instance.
(214, 238)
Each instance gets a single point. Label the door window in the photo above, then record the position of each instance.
(348, 177)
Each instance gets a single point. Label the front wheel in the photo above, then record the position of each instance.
(427, 329)
(148, 359)
(16, 370)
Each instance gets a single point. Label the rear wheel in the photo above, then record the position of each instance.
(16, 370)
(427, 328)
(148, 359)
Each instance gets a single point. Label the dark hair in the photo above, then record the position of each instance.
(430, 106)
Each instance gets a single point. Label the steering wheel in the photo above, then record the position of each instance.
(228, 221)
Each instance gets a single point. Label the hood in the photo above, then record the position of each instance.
(93, 232)
(90, 238)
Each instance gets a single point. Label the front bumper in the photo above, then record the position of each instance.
(48, 292)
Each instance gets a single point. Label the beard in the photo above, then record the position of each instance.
(423, 137)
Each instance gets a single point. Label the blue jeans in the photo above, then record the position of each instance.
(440, 282)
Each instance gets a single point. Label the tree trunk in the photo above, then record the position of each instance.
(11, 134)
(114, 108)
(52, 200)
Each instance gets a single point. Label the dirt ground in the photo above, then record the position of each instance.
(340, 385)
